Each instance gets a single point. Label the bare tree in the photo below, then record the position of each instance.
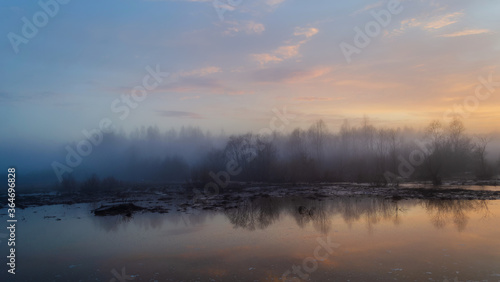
(482, 142)
(435, 156)
(318, 132)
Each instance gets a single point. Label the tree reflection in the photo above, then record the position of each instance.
(260, 213)
(263, 212)
(111, 223)
(442, 211)
(256, 214)
(305, 211)
(151, 221)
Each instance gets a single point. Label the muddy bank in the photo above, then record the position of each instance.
(125, 209)
(165, 198)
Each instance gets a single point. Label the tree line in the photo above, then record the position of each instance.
(356, 153)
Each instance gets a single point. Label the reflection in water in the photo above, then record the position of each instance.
(149, 221)
(111, 223)
(257, 213)
(442, 211)
(371, 210)
(264, 237)
(261, 213)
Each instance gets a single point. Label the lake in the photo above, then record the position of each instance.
(340, 239)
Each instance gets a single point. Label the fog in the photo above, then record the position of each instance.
(354, 153)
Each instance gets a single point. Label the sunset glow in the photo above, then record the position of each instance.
(229, 74)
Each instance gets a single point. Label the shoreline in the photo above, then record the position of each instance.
(168, 197)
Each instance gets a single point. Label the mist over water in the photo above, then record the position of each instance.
(355, 152)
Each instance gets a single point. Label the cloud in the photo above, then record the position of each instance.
(179, 114)
(428, 23)
(368, 7)
(274, 2)
(266, 58)
(249, 27)
(286, 75)
(308, 32)
(287, 51)
(199, 81)
(443, 21)
(466, 32)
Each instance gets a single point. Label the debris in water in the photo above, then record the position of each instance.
(122, 209)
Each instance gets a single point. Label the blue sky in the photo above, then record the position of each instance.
(229, 74)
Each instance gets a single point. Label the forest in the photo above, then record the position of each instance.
(362, 153)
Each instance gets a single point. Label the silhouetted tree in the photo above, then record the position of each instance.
(484, 170)
(91, 185)
(69, 184)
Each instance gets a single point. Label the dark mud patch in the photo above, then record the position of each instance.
(125, 209)
(122, 209)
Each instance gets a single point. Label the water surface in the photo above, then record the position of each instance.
(371, 239)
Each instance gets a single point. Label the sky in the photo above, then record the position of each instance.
(232, 63)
